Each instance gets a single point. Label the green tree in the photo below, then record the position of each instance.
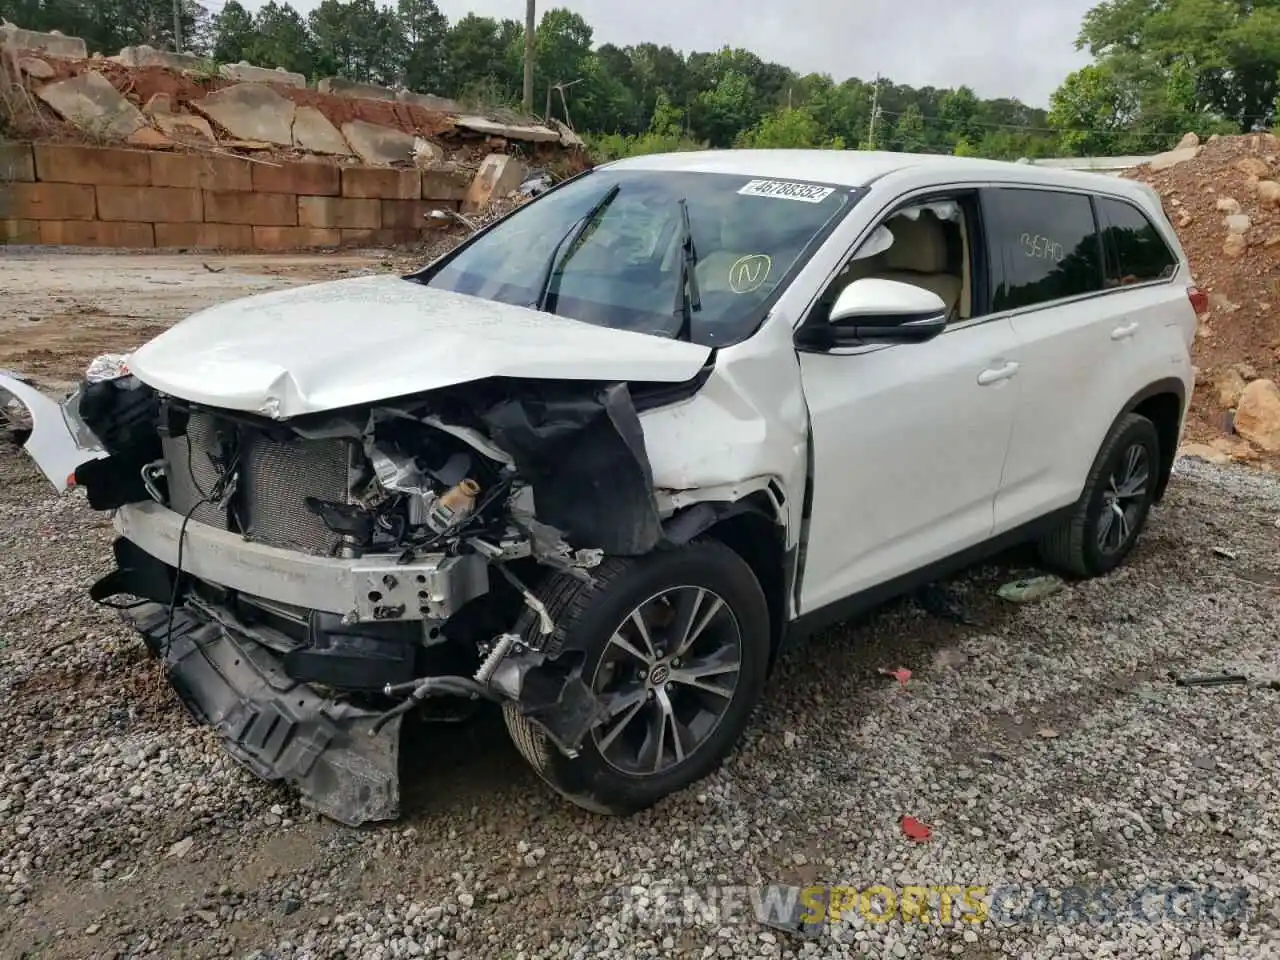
(1093, 111)
(724, 111)
(480, 55)
(281, 39)
(787, 128)
(908, 132)
(358, 40)
(426, 34)
(232, 33)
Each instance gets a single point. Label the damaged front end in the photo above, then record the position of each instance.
(309, 583)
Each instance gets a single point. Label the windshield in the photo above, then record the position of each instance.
(610, 248)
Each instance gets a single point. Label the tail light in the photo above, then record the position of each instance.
(1199, 300)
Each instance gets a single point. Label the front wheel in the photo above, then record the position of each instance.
(1113, 508)
(676, 647)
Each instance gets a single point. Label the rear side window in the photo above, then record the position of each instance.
(1045, 246)
(1136, 252)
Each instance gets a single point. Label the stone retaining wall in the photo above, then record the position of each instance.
(106, 197)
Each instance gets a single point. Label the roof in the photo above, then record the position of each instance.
(857, 168)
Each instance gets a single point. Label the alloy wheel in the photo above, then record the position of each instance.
(666, 678)
(1124, 499)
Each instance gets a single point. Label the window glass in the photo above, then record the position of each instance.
(1047, 244)
(1136, 253)
(608, 249)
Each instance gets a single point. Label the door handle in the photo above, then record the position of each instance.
(1125, 332)
(997, 374)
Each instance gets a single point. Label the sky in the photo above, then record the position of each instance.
(1000, 48)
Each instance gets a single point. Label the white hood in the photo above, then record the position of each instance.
(330, 345)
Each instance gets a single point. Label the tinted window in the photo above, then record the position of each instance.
(1136, 252)
(623, 270)
(1046, 243)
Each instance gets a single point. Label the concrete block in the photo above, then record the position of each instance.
(51, 44)
(251, 111)
(304, 179)
(339, 212)
(56, 163)
(201, 171)
(96, 233)
(255, 209)
(248, 73)
(445, 184)
(223, 236)
(150, 204)
(429, 101)
(407, 214)
(16, 163)
(185, 128)
(380, 238)
(144, 55)
(51, 201)
(499, 176)
(36, 68)
(379, 146)
(381, 183)
(90, 102)
(294, 238)
(534, 132)
(19, 231)
(313, 132)
(350, 88)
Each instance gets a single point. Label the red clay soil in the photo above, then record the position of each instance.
(1242, 328)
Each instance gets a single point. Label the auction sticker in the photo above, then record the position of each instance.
(786, 190)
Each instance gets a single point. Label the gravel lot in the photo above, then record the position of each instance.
(1044, 745)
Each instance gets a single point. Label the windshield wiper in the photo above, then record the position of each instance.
(688, 297)
(570, 238)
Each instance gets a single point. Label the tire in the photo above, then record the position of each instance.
(593, 617)
(1078, 547)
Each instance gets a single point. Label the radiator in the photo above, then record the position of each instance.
(275, 479)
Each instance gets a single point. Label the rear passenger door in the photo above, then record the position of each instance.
(1047, 253)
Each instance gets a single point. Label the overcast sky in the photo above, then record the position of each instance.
(1013, 48)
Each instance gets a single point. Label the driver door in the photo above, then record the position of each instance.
(909, 440)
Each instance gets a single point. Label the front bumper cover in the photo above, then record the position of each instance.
(279, 728)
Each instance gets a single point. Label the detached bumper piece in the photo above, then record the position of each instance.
(279, 728)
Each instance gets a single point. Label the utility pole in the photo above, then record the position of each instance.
(529, 18)
(177, 26)
(875, 113)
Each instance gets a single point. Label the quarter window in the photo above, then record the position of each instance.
(1136, 252)
(1045, 245)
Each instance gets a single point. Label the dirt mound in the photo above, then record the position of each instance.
(1224, 203)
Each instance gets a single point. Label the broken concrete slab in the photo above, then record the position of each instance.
(144, 55)
(378, 146)
(248, 73)
(312, 131)
(185, 127)
(251, 111)
(567, 136)
(429, 101)
(350, 88)
(499, 176)
(159, 103)
(90, 102)
(512, 131)
(36, 68)
(53, 44)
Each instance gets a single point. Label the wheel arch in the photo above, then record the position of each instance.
(755, 530)
(1164, 404)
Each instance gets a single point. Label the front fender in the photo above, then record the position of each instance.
(59, 440)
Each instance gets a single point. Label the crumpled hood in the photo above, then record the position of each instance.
(330, 345)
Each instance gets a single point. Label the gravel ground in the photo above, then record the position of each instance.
(1044, 745)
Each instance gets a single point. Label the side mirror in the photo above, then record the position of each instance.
(871, 310)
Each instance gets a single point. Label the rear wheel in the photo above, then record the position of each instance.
(676, 648)
(1114, 507)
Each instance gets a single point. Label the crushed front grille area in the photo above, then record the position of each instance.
(276, 478)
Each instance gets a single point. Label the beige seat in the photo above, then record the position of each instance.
(919, 257)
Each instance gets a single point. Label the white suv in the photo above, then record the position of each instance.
(602, 461)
